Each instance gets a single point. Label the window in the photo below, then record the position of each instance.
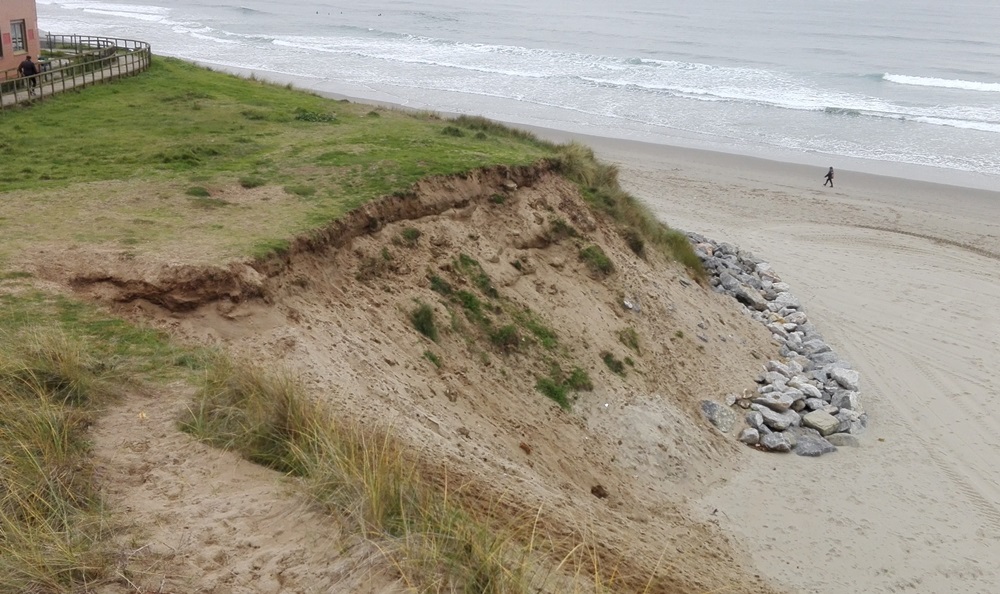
(18, 36)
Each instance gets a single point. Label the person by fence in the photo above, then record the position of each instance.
(29, 70)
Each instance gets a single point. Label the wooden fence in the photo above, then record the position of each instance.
(73, 62)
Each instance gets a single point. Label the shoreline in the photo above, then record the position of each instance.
(806, 165)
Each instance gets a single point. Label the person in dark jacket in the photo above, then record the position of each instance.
(28, 69)
(829, 178)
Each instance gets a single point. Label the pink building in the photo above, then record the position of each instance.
(18, 33)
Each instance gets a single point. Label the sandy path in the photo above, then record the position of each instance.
(917, 507)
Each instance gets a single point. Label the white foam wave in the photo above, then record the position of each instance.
(964, 124)
(944, 83)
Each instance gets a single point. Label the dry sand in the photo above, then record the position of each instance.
(902, 279)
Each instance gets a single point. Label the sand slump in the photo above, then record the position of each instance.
(614, 471)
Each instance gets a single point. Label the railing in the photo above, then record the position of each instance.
(75, 61)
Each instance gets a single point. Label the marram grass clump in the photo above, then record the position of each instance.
(54, 532)
(360, 474)
(599, 182)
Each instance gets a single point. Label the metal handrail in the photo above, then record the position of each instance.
(111, 58)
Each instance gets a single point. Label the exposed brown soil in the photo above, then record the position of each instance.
(618, 469)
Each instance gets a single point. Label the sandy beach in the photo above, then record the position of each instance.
(902, 279)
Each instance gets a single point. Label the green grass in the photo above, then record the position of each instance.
(197, 191)
(614, 364)
(557, 385)
(243, 134)
(529, 320)
(506, 338)
(471, 268)
(560, 229)
(433, 358)
(595, 259)
(599, 183)
(441, 286)
(422, 318)
(408, 237)
(630, 338)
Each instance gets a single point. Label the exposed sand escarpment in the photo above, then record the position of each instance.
(622, 469)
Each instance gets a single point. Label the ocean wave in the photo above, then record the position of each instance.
(944, 83)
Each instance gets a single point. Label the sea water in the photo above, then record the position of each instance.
(887, 83)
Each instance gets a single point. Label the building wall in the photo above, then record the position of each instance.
(17, 10)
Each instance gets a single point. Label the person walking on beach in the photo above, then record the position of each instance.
(29, 70)
(829, 178)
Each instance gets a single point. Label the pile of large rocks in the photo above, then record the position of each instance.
(810, 402)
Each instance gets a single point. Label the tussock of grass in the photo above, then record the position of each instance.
(506, 338)
(439, 285)
(53, 530)
(361, 475)
(630, 338)
(249, 182)
(601, 189)
(614, 364)
(557, 385)
(595, 259)
(560, 229)
(197, 191)
(474, 270)
(423, 320)
(408, 237)
(433, 358)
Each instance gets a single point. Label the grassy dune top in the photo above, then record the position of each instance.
(237, 166)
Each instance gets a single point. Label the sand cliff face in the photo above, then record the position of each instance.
(496, 256)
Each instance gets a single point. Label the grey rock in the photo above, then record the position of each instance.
(751, 298)
(779, 421)
(851, 422)
(779, 367)
(810, 390)
(848, 399)
(776, 442)
(814, 346)
(772, 377)
(825, 358)
(844, 440)
(755, 420)
(779, 331)
(813, 446)
(777, 401)
(815, 403)
(797, 318)
(720, 416)
(786, 299)
(728, 281)
(764, 269)
(823, 422)
(799, 431)
(848, 378)
(750, 436)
